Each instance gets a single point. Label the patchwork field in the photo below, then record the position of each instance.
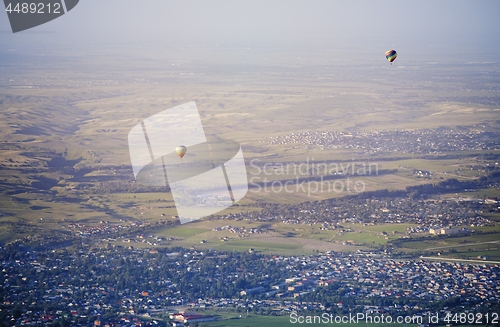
(65, 164)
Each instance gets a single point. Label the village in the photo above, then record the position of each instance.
(149, 285)
(419, 141)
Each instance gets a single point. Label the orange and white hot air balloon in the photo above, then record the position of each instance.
(181, 151)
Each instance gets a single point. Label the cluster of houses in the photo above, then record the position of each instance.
(368, 277)
(358, 275)
(420, 141)
(422, 173)
(103, 228)
(239, 230)
(185, 318)
(447, 231)
(424, 214)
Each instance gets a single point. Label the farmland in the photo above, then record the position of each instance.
(76, 175)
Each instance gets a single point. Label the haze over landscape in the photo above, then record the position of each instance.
(373, 188)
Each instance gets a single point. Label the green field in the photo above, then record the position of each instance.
(300, 239)
(252, 321)
(280, 321)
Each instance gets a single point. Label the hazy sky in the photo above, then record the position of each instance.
(282, 22)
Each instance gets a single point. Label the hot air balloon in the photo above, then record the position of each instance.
(391, 55)
(181, 151)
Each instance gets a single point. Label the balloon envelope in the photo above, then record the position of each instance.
(181, 151)
(391, 55)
